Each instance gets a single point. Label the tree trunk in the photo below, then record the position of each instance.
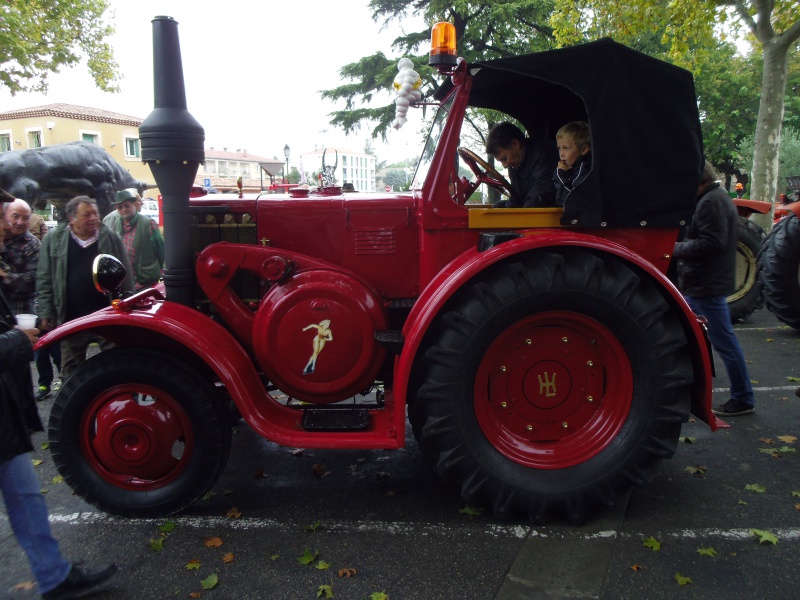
(766, 153)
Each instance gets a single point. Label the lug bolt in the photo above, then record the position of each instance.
(589, 399)
(503, 369)
(529, 427)
(503, 404)
(564, 425)
(589, 363)
(528, 342)
(564, 339)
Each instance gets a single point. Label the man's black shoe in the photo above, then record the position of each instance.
(42, 393)
(80, 579)
(733, 408)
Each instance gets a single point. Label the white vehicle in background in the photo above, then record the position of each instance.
(150, 209)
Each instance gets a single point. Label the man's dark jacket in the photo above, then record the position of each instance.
(707, 255)
(18, 413)
(532, 180)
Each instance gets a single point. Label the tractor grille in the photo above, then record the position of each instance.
(246, 285)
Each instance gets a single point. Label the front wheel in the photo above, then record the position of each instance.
(552, 385)
(138, 434)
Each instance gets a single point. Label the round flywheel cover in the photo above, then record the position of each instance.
(314, 336)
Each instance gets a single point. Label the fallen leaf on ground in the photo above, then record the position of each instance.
(685, 439)
(193, 564)
(766, 440)
(706, 551)
(228, 558)
(319, 470)
(208, 496)
(45, 445)
(167, 526)
(754, 487)
(195, 595)
(346, 572)
(322, 565)
(212, 542)
(25, 585)
(651, 542)
(789, 439)
(378, 596)
(37, 462)
(764, 537)
(233, 512)
(307, 557)
(312, 528)
(471, 511)
(325, 591)
(682, 580)
(697, 471)
(157, 544)
(636, 567)
(209, 582)
(58, 479)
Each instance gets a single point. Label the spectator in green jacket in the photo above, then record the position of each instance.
(140, 235)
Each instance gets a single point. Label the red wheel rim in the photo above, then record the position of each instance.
(543, 391)
(136, 437)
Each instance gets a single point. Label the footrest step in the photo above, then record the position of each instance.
(335, 419)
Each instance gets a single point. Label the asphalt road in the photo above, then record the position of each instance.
(388, 518)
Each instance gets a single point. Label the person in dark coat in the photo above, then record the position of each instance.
(575, 158)
(530, 165)
(707, 274)
(19, 483)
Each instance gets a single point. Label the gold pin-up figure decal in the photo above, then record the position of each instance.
(323, 335)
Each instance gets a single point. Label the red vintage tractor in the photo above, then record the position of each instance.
(542, 357)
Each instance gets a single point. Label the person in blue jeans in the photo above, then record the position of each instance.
(19, 484)
(707, 274)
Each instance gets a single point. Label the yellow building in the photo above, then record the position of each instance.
(54, 124)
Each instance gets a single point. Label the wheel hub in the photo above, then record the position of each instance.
(136, 438)
(541, 390)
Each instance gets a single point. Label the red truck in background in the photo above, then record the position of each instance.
(541, 356)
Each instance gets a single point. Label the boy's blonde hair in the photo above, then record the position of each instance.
(578, 131)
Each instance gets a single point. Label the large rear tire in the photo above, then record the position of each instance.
(552, 385)
(138, 434)
(746, 298)
(779, 270)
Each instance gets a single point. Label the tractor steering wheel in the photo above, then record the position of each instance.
(484, 172)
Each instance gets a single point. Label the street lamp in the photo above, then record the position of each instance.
(286, 154)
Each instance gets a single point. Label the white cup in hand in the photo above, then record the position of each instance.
(26, 321)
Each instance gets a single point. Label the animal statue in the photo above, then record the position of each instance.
(329, 171)
(58, 173)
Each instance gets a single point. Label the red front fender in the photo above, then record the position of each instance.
(176, 329)
(470, 263)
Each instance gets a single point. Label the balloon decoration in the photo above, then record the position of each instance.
(406, 86)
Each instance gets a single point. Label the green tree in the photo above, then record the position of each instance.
(396, 178)
(39, 37)
(484, 30)
(789, 155)
(683, 27)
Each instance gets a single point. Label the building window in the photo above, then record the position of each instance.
(222, 168)
(344, 159)
(90, 136)
(245, 169)
(132, 149)
(5, 142)
(34, 138)
(211, 166)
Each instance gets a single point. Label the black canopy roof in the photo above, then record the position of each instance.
(646, 143)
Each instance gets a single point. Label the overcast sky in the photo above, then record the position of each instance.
(253, 72)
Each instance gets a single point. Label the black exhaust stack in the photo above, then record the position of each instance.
(173, 145)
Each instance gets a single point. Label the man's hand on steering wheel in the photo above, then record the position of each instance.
(484, 172)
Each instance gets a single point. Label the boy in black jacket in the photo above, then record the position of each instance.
(575, 158)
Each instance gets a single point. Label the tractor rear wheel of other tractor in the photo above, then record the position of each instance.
(138, 433)
(779, 270)
(746, 298)
(552, 385)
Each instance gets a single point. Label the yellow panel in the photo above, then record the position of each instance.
(486, 217)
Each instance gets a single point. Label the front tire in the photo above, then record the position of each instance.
(138, 434)
(779, 270)
(551, 386)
